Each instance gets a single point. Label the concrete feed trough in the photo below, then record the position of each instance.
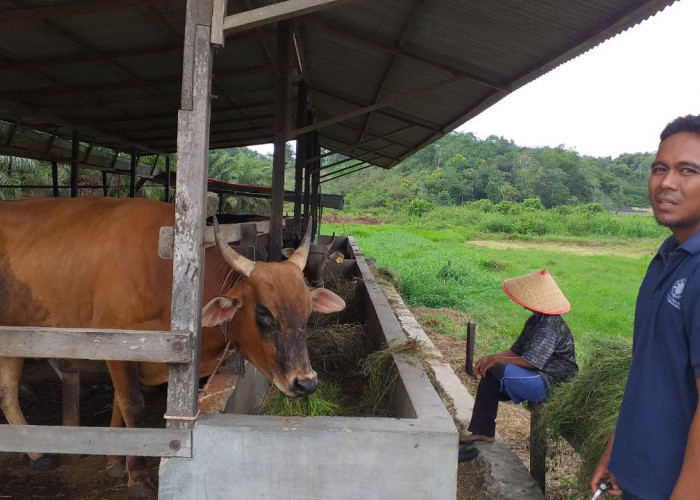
(411, 455)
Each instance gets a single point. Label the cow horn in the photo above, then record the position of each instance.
(239, 263)
(300, 254)
(330, 243)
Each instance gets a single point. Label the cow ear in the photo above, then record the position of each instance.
(325, 301)
(287, 252)
(219, 311)
(336, 257)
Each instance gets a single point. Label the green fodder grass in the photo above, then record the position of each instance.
(585, 409)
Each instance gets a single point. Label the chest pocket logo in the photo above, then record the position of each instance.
(674, 296)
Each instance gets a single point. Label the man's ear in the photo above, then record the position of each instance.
(219, 311)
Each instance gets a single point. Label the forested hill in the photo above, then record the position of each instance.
(459, 168)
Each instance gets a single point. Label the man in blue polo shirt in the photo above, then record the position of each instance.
(655, 450)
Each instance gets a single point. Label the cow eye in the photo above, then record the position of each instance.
(263, 316)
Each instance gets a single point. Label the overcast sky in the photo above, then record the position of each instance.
(614, 99)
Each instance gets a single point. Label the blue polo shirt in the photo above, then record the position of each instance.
(661, 395)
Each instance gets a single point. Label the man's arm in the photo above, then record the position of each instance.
(507, 357)
(688, 484)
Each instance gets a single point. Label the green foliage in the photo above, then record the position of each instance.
(459, 168)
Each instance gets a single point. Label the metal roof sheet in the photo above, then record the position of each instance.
(385, 77)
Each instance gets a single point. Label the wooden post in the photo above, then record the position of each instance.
(54, 178)
(302, 110)
(315, 180)
(538, 447)
(282, 92)
(105, 187)
(308, 166)
(166, 197)
(132, 174)
(471, 335)
(71, 399)
(190, 207)
(75, 149)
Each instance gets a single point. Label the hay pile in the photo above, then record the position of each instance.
(584, 410)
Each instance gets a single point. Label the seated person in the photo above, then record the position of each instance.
(541, 357)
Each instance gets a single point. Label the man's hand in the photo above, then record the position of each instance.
(601, 473)
(485, 364)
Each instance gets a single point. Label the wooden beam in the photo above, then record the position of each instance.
(99, 344)
(190, 206)
(74, 164)
(282, 101)
(275, 13)
(96, 440)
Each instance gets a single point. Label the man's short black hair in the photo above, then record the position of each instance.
(689, 123)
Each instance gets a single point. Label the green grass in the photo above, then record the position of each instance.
(440, 268)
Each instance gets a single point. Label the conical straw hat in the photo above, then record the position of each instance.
(537, 292)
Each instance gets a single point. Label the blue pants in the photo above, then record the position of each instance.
(503, 383)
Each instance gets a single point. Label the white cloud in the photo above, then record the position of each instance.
(615, 98)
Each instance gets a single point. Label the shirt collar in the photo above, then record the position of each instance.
(691, 245)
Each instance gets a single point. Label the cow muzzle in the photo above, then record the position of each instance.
(304, 386)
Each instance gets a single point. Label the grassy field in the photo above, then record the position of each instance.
(460, 269)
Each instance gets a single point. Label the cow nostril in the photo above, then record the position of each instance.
(317, 284)
(305, 386)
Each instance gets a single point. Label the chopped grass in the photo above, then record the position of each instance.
(585, 409)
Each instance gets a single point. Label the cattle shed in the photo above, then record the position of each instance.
(109, 84)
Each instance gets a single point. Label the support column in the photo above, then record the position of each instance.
(190, 206)
(74, 162)
(132, 174)
(282, 92)
(166, 197)
(54, 178)
(302, 147)
(315, 181)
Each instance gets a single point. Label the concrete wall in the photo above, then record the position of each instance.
(411, 456)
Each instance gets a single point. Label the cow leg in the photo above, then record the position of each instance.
(127, 393)
(115, 464)
(10, 372)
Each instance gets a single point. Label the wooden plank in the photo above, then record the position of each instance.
(92, 343)
(274, 13)
(217, 23)
(96, 440)
(231, 233)
(190, 206)
(71, 399)
(283, 80)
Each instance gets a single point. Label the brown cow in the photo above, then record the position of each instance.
(93, 263)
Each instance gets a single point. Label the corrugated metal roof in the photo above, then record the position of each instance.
(385, 77)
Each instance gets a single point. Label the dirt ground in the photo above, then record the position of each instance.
(78, 477)
(513, 423)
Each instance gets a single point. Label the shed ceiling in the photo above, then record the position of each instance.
(385, 77)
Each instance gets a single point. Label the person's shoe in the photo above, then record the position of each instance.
(467, 453)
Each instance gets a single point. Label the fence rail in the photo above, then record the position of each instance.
(100, 344)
